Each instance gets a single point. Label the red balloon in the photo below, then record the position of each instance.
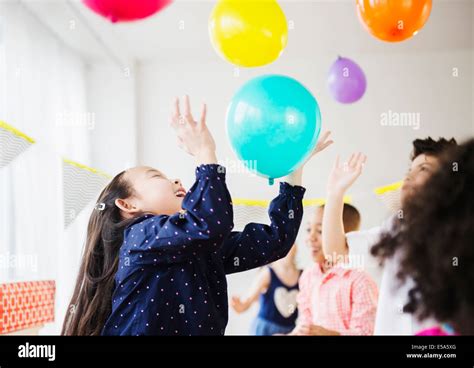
(126, 10)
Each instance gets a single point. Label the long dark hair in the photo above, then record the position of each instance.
(91, 302)
(435, 240)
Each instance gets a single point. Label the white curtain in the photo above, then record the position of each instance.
(43, 94)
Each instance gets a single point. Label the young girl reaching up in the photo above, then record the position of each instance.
(156, 256)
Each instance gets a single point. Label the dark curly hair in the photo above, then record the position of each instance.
(429, 146)
(435, 240)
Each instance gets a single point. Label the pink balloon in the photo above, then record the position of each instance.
(126, 10)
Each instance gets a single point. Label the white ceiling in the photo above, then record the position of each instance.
(331, 26)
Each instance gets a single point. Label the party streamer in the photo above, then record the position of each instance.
(12, 143)
(81, 185)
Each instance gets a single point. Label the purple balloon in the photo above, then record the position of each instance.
(346, 81)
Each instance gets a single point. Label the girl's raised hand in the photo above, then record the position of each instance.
(296, 177)
(193, 136)
(324, 141)
(343, 175)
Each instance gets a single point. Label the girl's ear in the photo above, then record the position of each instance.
(127, 208)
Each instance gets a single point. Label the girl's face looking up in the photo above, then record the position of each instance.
(422, 167)
(153, 193)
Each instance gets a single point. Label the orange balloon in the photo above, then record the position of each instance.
(393, 20)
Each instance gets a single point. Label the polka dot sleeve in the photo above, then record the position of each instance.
(259, 244)
(205, 220)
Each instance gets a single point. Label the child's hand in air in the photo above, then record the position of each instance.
(296, 177)
(193, 136)
(323, 143)
(344, 175)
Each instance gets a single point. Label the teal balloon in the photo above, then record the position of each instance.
(273, 124)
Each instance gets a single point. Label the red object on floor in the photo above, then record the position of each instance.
(26, 304)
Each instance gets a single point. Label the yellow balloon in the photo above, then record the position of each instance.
(248, 33)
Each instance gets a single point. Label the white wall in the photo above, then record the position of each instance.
(43, 94)
(111, 100)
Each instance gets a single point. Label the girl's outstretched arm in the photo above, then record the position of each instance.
(260, 244)
(259, 286)
(342, 176)
(296, 177)
(206, 217)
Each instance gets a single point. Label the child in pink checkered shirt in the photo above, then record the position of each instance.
(333, 299)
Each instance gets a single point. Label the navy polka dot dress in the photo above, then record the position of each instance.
(171, 278)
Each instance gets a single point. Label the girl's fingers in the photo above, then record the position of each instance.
(356, 159)
(176, 112)
(360, 159)
(187, 110)
(328, 136)
(361, 162)
(351, 160)
(324, 136)
(173, 122)
(327, 144)
(323, 141)
(202, 121)
(174, 119)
